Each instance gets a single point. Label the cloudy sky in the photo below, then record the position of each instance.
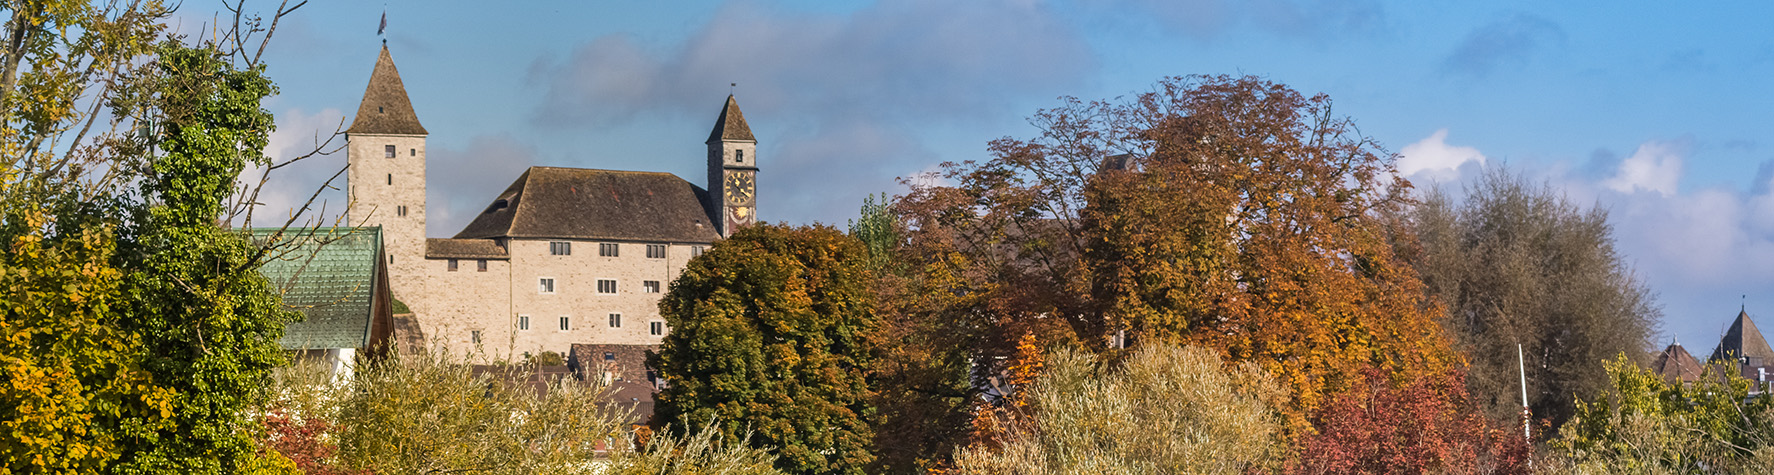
(1656, 111)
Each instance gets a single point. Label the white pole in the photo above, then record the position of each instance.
(1522, 368)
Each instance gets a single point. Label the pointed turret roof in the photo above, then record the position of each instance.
(385, 108)
(731, 124)
(1675, 364)
(1743, 339)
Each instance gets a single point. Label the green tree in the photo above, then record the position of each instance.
(208, 322)
(1518, 263)
(1643, 423)
(773, 332)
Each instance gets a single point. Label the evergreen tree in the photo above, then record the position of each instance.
(772, 333)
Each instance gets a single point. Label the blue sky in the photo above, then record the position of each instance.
(1656, 111)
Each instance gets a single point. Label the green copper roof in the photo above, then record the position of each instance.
(328, 274)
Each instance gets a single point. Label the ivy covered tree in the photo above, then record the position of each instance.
(773, 332)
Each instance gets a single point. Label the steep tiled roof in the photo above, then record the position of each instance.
(1743, 339)
(464, 249)
(385, 108)
(731, 124)
(332, 284)
(578, 203)
(1675, 364)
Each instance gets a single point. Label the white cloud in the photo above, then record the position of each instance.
(1434, 159)
(1656, 166)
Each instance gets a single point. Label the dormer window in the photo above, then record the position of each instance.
(498, 205)
(738, 156)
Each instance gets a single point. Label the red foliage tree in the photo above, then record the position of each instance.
(303, 440)
(1428, 425)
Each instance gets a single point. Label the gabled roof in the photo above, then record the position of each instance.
(731, 124)
(1675, 364)
(579, 203)
(332, 284)
(464, 249)
(385, 108)
(1743, 340)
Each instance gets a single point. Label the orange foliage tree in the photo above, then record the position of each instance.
(1232, 213)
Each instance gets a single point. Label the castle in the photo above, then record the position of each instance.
(563, 257)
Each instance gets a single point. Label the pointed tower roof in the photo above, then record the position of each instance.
(731, 124)
(1743, 339)
(385, 108)
(1676, 365)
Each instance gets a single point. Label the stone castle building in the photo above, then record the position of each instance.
(563, 256)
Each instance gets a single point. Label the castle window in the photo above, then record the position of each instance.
(560, 248)
(608, 249)
(565, 324)
(650, 286)
(656, 328)
(609, 356)
(738, 156)
(413, 152)
(388, 151)
(696, 251)
(452, 265)
(400, 211)
(606, 286)
(474, 336)
(615, 320)
(655, 251)
(546, 285)
(481, 265)
(390, 178)
(523, 322)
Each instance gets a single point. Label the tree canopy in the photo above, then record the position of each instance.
(773, 332)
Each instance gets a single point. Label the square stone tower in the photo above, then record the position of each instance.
(732, 171)
(385, 178)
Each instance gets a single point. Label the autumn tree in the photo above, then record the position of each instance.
(1230, 213)
(1425, 425)
(773, 331)
(136, 330)
(1518, 263)
(1643, 423)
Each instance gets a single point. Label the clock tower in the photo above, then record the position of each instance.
(732, 171)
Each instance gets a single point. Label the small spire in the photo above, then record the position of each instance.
(731, 126)
(385, 108)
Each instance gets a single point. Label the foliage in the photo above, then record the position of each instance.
(429, 414)
(1230, 213)
(1165, 409)
(878, 229)
(1427, 425)
(1519, 263)
(772, 331)
(1646, 424)
(706, 453)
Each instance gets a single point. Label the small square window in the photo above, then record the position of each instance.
(560, 248)
(608, 249)
(738, 156)
(615, 320)
(655, 251)
(650, 286)
(388, 151)
(566, 324)
(546, 285)
(452, 265)
(481, 265)
(696, 251)
(609, 356)
(606, 286)
(656, 328)
(413, 152)
(474, 336)
(523, 322)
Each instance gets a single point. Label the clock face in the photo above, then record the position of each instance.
(739, 188)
